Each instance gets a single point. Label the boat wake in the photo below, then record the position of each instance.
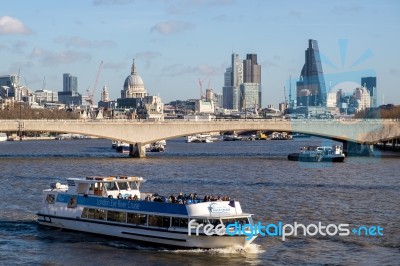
(251, 249)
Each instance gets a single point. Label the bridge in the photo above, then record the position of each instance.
(356, 134)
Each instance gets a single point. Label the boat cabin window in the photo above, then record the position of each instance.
(110, 186)
(116, 216)
(240, 220)
(123, 185)
(134, 185)
(214, 222)
(179, 222)
(97, 189)
(84, 213)
(159, 221)
(82, 188)
(96, 214)
(199, 221)
(137, 218)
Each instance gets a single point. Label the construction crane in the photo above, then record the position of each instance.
(201, 85)
(201, 88)
(91, 95)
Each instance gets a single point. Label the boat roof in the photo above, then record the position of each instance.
(95, 179)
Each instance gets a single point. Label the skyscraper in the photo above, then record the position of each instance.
(250, 89)
(311, 89)
(233, 78)
(370, 84)
(70, 83)
(70, 94)
(251, 70)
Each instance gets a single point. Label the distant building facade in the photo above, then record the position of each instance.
(311, 88)
(133, 85)
(133, 90)
(45, 96)
(370, 84)
(204, 107)
(70, 83)
(105, 102)
(218, 99)
(250, 89)
(233, 77)
(69, 95)
(242, 84)
(134, 96)
(153, 108)
(8, 85)
(362, 99)
(250, 96)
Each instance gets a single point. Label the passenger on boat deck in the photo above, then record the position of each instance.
(148, 198)
(119, 196)
(135, 197)
(130, 197)
(172, 199)
(180, 197)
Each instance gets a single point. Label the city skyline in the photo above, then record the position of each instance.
(179, 42)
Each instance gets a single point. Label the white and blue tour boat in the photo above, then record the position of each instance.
(114, 206)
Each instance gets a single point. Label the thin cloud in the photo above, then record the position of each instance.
(202, 70)
(268, 64)
(172, 27)
(393, 71)
(295, 14)
(339, 10)
(225, 18)
(147, 57)
(60, 58)
(188, 6)
(79, 42)
(10, 25)
(117, 67)
(112, 2)
(20, 66)
(16, 48)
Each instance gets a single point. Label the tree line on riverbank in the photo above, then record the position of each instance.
(24, 112)
(21, 111)
(383, 111)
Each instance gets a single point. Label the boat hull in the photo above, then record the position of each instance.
(333, 159)
(306, 158)
(303, 158)
(163, 237)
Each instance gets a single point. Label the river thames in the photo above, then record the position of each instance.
(360, 192)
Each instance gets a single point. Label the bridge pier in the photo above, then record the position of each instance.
(357, 149)
(137, 151)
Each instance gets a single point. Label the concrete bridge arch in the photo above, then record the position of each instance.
(139, 133)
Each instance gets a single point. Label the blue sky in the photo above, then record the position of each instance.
(176, 43)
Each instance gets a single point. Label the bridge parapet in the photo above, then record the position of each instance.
(142, 131)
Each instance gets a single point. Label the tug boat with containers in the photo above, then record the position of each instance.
(114, 206)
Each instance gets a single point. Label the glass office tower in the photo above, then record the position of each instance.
(311, 89)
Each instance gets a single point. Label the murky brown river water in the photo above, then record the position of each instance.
(361, 191)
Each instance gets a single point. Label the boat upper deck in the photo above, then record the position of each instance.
(122, 192)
